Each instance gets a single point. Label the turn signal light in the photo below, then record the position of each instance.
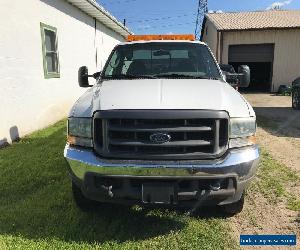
(80, 141)
(252, 140)
(132, 38)
(71, 140)
(242, 142)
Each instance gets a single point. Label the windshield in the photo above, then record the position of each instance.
(161, 59)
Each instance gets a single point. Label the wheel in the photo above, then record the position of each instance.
(81, 201)
(296, 99)
(234, 208)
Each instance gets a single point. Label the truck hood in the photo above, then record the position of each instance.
(178, 94)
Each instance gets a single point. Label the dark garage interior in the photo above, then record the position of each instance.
(259, 57)
(261, 78)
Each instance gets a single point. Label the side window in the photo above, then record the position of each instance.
(50, 51)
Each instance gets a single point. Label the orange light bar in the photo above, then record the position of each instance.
(132, 38)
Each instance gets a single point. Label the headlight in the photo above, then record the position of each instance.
(242, 132)
(242, 127)
(80, 131)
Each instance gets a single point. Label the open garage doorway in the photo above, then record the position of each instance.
(259, 57)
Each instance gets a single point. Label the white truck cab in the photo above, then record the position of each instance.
(162, 126)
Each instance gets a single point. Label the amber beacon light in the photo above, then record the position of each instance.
(132, 38)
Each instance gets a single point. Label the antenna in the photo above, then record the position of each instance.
(202, 10)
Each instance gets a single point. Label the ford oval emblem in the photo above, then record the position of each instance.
(160, 138)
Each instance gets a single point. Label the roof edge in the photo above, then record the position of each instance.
(91, 7)
(207, 17)
(259, 29)
(210, 17)
(253, 11)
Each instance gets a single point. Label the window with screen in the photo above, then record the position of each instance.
(50, 51)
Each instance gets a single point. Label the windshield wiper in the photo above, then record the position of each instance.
(186, 76)
(128, 76)
(213, 78)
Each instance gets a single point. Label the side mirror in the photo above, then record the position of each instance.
(232, 79)
(97, 75)
(83, 77)
(244, 76)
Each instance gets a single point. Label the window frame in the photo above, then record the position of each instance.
(47, 74)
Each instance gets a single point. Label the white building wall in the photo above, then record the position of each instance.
(105, 42)
(286, 65)
(28, 100)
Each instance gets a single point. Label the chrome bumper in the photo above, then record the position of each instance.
(238, 163)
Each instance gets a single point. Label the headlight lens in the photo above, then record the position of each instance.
(242, 132)
(81, 127)
(242, 127)
(80, 131)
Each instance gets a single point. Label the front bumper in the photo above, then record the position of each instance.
(234, 170)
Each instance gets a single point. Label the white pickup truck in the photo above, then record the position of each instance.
(162, 127)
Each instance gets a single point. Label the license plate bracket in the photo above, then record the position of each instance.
(159, 193)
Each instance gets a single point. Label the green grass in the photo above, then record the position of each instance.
(37, 210)
(277, 182)
(275, 179)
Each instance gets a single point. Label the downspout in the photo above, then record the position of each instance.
(221, 47)
(95, 43)
(218, 45)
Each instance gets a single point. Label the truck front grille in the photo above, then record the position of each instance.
(193, 134)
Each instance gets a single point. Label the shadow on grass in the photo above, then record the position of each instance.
(36, 200)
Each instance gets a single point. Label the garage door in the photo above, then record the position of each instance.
(251, 53)
(259, 57)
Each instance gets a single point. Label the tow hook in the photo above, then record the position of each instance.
(202, 198)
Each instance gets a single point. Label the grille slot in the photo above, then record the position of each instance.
(191, 138)
(98, 132)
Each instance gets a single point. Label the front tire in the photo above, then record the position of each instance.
(296, 99)
(81, 201)
(234, 208)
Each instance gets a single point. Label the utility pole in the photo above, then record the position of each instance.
(202, 10)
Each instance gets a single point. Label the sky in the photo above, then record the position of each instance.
(179, 16)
